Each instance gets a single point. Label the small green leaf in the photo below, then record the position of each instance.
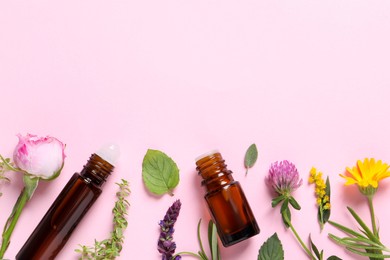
(277, 200)
(286, 213)
(294, 203)
(272, 249)
(30, 184)
(346, 230)
(370, 255)
(250, 157)
(159, 172)
(314, 248)
(213, 240)
(333, 257)
(326, 212)
(363, 225)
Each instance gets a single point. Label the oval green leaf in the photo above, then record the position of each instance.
(251, 156)
(159, 172)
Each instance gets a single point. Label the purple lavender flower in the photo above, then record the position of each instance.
(283, 178)
(165, 244)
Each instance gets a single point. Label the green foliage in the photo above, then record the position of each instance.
(250, 157)
(364, 243)
(110, 248)
(324, 213)
(5, 164)
(159, 172)
(213, 244)
(272, 249)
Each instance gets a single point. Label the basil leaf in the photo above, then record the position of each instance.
(159, 172)
(250, 157)
(272, 249)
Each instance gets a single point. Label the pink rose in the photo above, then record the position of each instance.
(41, 157)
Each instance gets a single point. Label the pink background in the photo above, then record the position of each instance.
(307, 81)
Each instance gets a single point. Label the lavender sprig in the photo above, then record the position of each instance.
(165, 244)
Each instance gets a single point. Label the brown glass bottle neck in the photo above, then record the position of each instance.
(214, 171)
(96, 170)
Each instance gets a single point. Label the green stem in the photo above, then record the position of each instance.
(308, 252)
(12, 220)
(187, 253)
(373, 222)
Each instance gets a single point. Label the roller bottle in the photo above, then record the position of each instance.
(68, 209)
(226, 200)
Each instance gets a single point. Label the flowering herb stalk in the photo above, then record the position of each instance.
(367, 176)
(110, 248)
(283, 178)
(165, 244)
(37, 158)
(322, 192)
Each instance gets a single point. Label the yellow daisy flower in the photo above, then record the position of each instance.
(367, 175)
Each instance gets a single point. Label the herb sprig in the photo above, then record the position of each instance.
(5, 166)
(213, 244)
(111, 247)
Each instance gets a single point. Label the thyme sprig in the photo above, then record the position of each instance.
(111, 247)
(5, 166)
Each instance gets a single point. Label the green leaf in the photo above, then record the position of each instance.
(363, 225)
(294, 203)
(326, 212)
(314, 248)
(286, 213)
(250, 157)
(213, 240)
(346, 230)
(277, 200)
(30, 185)
(159, 172)
(371, 255)
(272, 249)
(333, 257)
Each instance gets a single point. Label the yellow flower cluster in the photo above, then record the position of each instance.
(315, 177)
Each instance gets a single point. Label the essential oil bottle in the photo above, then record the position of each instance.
(226, 200)
(70, 206)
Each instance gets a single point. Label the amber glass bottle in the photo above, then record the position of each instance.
(226, 200)
(65, 213)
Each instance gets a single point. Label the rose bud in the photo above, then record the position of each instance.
(41, 157)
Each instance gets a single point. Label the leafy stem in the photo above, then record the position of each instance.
(213, 244)
(111, 247)
(365, 242)
(29, 187)
(287, 220)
